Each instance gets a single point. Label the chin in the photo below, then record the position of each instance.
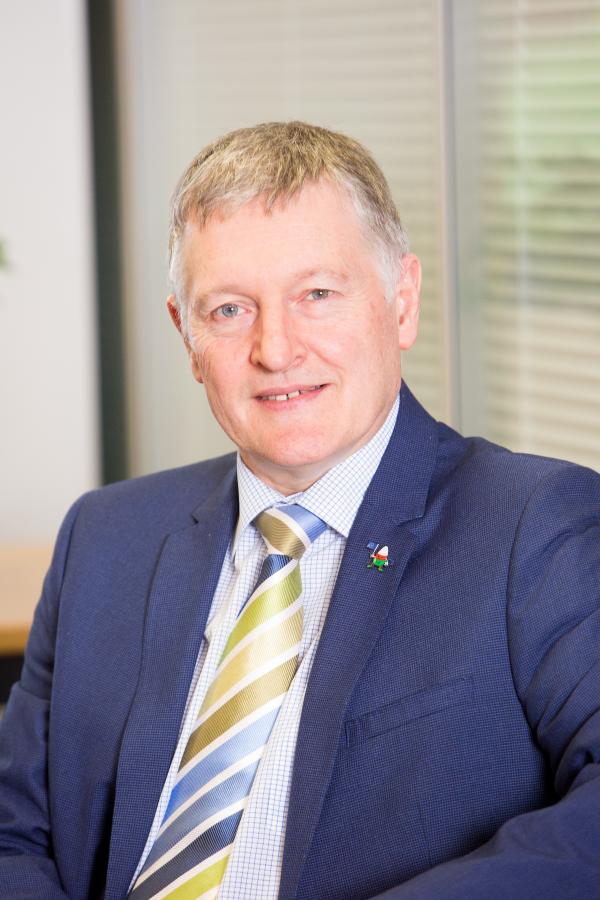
(316, 462)
(306, 450)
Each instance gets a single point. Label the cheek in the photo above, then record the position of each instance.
(385, 333)
(367, 346)
(378, 355)
(214, 358)
(220, 364)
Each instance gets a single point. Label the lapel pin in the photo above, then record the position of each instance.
(379, 558)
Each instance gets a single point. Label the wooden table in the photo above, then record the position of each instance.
(22, 570)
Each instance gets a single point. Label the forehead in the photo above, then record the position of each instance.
(317, 227)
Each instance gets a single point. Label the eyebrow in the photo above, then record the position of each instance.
(235, 290)
(305, 274)
(224, 290)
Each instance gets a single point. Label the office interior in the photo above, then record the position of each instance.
(485, 117)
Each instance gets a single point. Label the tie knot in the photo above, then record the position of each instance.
(289, 529)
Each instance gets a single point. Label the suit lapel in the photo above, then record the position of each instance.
(359, 606)
(178, 606)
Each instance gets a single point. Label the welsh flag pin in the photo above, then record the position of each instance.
(379, 558)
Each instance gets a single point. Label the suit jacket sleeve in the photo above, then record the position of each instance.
(27, 866)
(553, 629)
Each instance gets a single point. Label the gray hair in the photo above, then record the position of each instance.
(273, 161)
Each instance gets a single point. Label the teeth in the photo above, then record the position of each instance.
(281, 397)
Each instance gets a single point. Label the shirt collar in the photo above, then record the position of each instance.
(335, 497)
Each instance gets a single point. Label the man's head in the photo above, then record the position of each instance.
(291, 274)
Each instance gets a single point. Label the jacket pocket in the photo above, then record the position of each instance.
(450, 693)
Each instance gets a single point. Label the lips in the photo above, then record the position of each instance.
(290, 394)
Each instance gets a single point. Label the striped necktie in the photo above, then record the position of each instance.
(192, 848)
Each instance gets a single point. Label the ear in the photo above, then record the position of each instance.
(175, 314)
(408, 300)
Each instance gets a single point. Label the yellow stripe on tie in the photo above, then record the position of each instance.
(249, 699)
(280, 536)
(200, 883)
(272, 601)
(267, 645)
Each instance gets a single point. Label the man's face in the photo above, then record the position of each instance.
(290, 332)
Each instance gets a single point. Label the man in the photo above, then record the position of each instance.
(435, 729)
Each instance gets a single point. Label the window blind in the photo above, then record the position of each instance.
(528, 145)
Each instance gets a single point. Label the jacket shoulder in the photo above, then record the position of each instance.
(486, 467)
(169, 497)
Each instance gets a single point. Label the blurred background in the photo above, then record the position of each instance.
(485, 117)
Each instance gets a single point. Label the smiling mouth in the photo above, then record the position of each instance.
(292, 395)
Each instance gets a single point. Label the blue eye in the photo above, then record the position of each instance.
(229, 310)
(320, 294)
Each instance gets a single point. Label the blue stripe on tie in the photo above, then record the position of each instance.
(273, 563)
(310, 524)
(250, 738)
(233, 788)
(220, 835)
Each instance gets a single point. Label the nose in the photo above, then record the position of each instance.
(276, 345)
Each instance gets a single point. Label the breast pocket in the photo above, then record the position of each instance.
(453, 692)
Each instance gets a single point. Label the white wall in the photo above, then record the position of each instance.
(48, 385)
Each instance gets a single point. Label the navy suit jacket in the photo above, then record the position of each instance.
(450, 737)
